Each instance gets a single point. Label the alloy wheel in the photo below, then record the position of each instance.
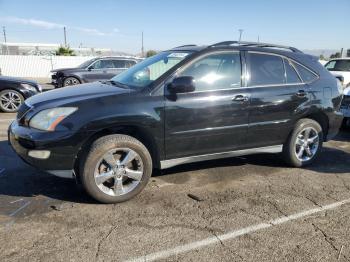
(307, 143)
(10, 101)
(71, 81)
(119, 171)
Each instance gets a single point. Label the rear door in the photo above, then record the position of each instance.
(214, 117)
(276, 93)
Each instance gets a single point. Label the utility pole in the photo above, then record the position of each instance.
(65, 36)
(4, 30)
(142, 49)
(240, 34)
(5, 40)
(258, 39)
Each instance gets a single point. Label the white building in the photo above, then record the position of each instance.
(47, 49)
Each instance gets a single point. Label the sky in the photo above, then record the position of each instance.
(118, 24)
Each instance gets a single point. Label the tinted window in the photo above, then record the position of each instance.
(96, 65)
(150, 69)
(119, 63)
(129, 63)
(291, 74)
(338, 65)
(305, 74)
(266, 70)
(216, 71)
(107, 64)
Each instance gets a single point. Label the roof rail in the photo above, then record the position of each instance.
(184, 46)
(255, 44)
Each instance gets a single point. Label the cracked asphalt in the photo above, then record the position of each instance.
(44, 218)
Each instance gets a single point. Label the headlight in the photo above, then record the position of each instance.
(29, 87)
(48, 119)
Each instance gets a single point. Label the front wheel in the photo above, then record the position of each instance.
(116, 168)
(10, 101)
(70, 81)
(304, 144)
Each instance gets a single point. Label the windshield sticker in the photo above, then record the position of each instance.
(178, 55)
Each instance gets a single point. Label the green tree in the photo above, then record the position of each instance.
(65, 51)
(336, 55)
(322, 57)
(150, 53)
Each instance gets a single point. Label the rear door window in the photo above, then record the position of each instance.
(266, 69)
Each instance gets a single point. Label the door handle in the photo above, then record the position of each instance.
(301, 93)
(240, 98)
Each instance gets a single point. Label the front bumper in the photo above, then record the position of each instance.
(63, 150)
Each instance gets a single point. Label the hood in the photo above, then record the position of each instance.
(75, 69)
(76, 93)
(18, 80)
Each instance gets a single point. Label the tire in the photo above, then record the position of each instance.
(10, 100)
(71, 81)
(297, 143)
(107, 179)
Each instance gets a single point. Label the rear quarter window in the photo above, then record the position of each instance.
(306, 74)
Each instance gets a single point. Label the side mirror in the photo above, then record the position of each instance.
(89, 68)
(182, 84)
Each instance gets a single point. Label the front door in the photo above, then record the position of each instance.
(214, 117)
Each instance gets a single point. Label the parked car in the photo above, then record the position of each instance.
(13, 92)
(183, 105)
(340, 66)
(97, 69)
(345, 106)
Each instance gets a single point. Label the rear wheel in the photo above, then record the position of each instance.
(304, 144)
(10, 101)
(116, 168)
(71, 81)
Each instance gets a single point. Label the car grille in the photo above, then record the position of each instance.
(22, 111)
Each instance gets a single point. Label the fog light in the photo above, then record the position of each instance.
(41, 154)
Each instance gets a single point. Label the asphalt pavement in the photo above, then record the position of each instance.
(251, 208)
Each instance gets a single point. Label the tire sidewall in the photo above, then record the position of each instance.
(291, 156)
(70, 77)
(100, 147)
(13, 91)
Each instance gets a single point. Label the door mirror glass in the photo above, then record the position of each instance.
(182, 84)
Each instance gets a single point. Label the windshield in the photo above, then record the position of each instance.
(149, 70)
(86, 63)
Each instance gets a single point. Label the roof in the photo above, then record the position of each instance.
(340, 58)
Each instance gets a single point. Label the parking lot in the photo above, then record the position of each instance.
(250, 208)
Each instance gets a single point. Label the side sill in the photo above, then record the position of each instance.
(191, 159)
(61, 173)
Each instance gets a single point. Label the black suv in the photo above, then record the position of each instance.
(96, 69)
(183, 105)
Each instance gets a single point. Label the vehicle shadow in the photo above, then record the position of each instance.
(20, 180)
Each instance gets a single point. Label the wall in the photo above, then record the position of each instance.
(37, 66)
